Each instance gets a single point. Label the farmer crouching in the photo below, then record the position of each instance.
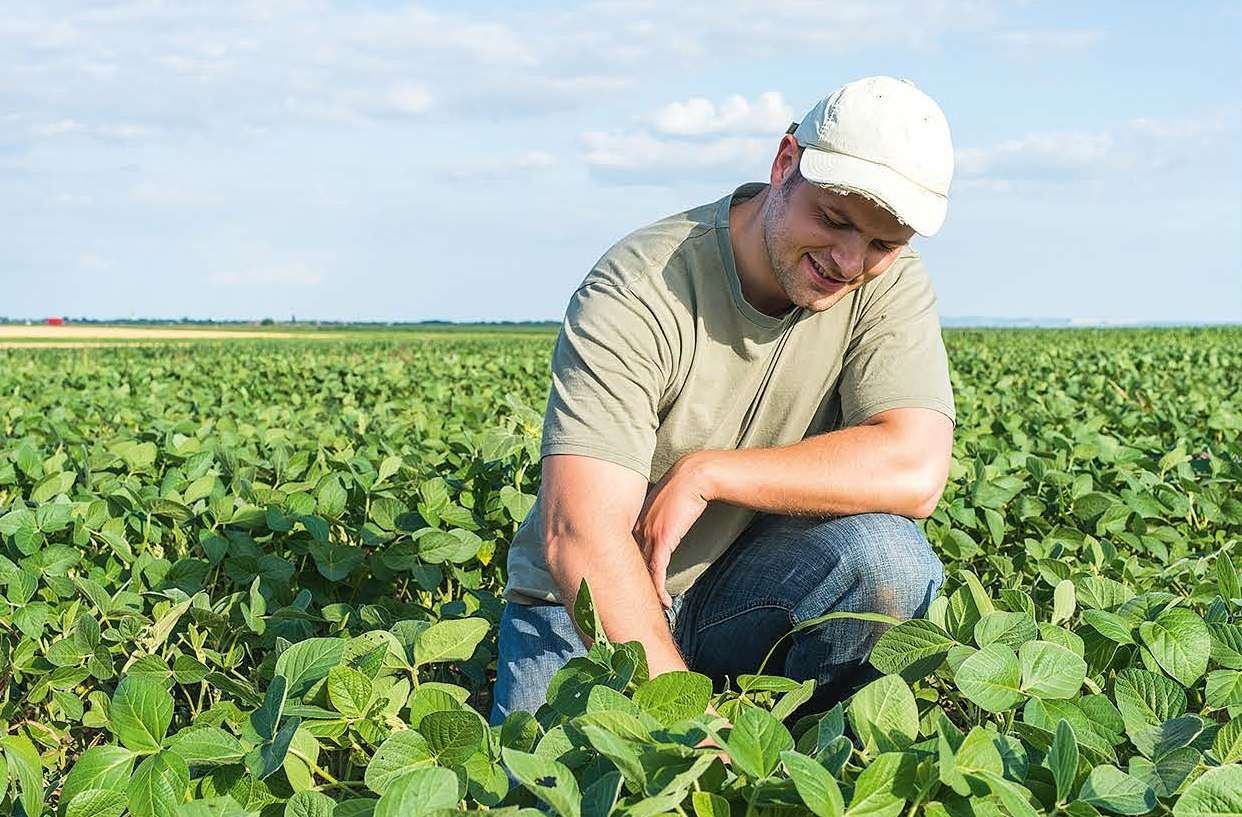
(749, 403)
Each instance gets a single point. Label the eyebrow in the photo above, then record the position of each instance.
(828, 210)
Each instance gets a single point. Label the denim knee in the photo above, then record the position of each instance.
(884, 559)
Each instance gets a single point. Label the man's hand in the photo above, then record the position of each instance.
(672, 505)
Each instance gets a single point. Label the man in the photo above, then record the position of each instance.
(750, 401)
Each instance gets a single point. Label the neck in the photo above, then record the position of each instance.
(754, 268)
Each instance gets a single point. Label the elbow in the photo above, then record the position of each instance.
(925, 503)
(924, 492)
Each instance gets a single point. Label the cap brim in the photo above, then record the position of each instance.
(914, 205)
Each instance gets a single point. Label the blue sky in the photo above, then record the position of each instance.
(390, 161)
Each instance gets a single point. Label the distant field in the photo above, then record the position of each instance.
(91, 335)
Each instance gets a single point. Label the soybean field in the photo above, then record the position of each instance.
(262, 577)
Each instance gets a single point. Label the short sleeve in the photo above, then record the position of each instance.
(608, 373)
(896, 356)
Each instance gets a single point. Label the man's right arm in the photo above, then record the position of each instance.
(590, 507)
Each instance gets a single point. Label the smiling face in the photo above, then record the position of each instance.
(822, 244)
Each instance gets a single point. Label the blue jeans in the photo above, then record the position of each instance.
(780, 571)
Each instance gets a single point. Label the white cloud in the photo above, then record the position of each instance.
(695, 139)
(698, 116)
(240, 66)
(1057, 158)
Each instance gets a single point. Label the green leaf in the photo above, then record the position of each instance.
(1050, 670)
(453, 640)
(707, 804)
(349, 691)
(586, 616)
(140, 713)
(23, 759)
(549, 780)
(308, 662)
(620, 751)
(214, 807)
(912, 649)
(1010, 629)
(1227, 577)
(266, 718)
(1111, 789)
(1013, 796)
(207, 746)
(400, 754)
(990, 678)
(1228, 743)
(421, 791)
(309, 804)
(978, 753)
(1110, 625)
(1180, 642)
(885, 715)
(1064, 601)
(756, 741)
(158, 786)
(1146, 700)
(880, 790)
(674, 696)
(95, 803)
(1062, 760)
(816, 787)
(453, 737)
(99, 767)
(1216, 793)
(264, 760)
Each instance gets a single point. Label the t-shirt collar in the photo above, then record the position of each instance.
(729, 263)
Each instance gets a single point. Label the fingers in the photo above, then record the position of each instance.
(658, 565)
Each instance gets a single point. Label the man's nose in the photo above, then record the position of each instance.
(850, 256)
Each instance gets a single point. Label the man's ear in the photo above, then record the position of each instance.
(786, 159)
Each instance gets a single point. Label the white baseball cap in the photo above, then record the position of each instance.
(883, 138)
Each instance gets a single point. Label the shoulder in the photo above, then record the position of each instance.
(907, 276)
(638, 259)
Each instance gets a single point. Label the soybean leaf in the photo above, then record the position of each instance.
(400, 754)
(756, 741)
(1180, 642)
(673, 696)
(453, 640)
(23, 759)
(1062, 760)
(1109, 788)
(140, 713)
(547, 779)
(885, 715)
(990, 678)
(1050, 670)
(816, 787)
(1216, 793)
(419, 792)
(158, 786)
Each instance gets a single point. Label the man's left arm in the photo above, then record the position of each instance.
(895, 462)
(892, 453)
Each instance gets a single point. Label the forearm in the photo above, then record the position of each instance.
(621, 589)
(861, 469)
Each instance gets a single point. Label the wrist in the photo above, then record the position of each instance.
(704, 471)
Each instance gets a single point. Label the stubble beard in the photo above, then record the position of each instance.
(789, 275)
(786, 277)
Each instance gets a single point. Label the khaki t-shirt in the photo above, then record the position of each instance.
(660, 355)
